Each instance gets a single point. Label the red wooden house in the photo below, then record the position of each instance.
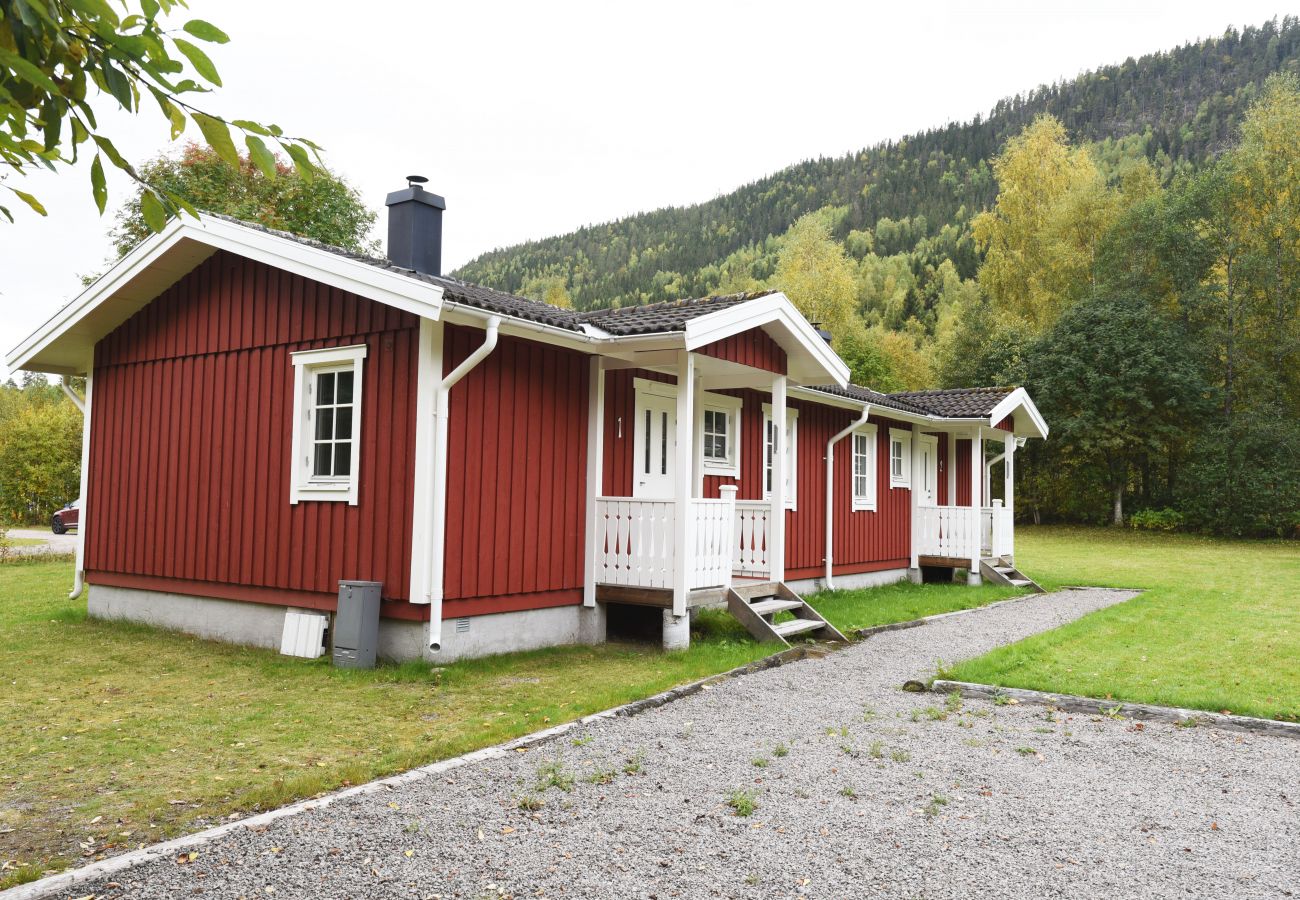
(265, 416)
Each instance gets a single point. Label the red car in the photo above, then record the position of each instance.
(66, 518)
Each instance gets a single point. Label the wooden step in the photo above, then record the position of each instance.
(757, 590)
(768, 607)
(797, 626)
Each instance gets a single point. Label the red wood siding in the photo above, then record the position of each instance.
(516, 482)
(1008, 423)
(191, 436)
(942, 493)
(749, 348)
(963, 472)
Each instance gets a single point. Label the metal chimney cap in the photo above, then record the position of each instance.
(413, 180)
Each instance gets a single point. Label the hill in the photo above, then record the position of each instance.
(914, 196)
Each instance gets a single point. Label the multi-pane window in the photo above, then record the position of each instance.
(332, 413)
(715, 435)
(327, 409)
(900, 463)
(864, 468)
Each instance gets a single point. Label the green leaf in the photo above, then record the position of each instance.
(79, 132)
(301, 161)
(217, 135)
(181, 203)
(117, 83)
(29, 200)
(171, 111)
(251, 126)
(111, 152)
(27, 71)
(206, 31)
(98, 185)
(4, 211)
(199, 60)
(150, 8)
(263, 158)
(155, 215)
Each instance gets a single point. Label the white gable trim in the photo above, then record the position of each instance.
(184, 243)
(1013, 402)
(773, 309)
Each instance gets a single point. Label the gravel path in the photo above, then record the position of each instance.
(52, 543)
(873, 797)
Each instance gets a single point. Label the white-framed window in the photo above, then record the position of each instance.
(864, 468)
(791, 454)
(900, 458)
(327, 424)
(719, 429)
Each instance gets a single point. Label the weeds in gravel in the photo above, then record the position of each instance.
(1190, 722)
(899, 755)
(582, 741)
(530, 803)
(742, 802)
(847, 791)
(601, 776)
(800, 794)
(412, 828)
(841, 730)
(1044, 730)
(935, 806)
(877, 750)
(952, 702)
(634, 764)
(847, 750)
(1113, 712)
(868, 713)
(761, 762)
(752, 880)
(1001, 698)
(1026, 751)
(553, 774)
(935, 714)
(781, 750)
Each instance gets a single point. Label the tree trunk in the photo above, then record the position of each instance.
(1117, 509)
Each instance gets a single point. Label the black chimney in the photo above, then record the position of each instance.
(415, 227)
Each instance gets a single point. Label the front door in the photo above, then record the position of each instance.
(656, 443)
(928, 477)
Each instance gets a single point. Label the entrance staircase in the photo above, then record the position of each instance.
(1000, 571)
(758, 605)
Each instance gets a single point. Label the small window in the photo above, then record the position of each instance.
(327, 413)
(900, 458)
(791, 454)
(718, 425)
(864, 468)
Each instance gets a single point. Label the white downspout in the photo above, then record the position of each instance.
(79, 567)
(829, 580)
(437, 526)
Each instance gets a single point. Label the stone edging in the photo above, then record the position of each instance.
(55, 884)
(1089, 705)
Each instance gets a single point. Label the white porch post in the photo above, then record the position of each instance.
(976, 492)
(776, 545)
(683, 523)
(914, 470)
(595, 470)
(697, 443)
(79, 568)
(1009, 493)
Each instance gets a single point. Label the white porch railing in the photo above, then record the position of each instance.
(753, 538)
(961, 532)
(635, 542)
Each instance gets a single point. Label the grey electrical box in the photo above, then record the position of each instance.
(356, 625)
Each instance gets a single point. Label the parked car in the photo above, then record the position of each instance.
(66, 518)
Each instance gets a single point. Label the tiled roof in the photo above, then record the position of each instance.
(875, 398)
(660, 317)
(956, 402)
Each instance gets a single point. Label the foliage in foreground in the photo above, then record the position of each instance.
(40, 451)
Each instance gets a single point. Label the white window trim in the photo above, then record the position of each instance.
(791, 436)
(905, 438)
(732, 407)
(302, 486)
(867, 502)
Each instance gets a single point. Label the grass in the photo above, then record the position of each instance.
(902, 602)
(127, 735)
(25, 542)
(1218, 627)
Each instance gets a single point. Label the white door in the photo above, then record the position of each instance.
(927, 451)
(656, 443)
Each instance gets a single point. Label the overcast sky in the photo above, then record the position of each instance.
(535, 118)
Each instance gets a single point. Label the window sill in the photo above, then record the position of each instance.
(904, 485)
(863, 507)
(721, 470)
(338, 492)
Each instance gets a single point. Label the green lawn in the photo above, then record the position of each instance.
(902, 602)
(1218, 627)
(129, 734)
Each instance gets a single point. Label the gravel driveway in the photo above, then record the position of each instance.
(52, 543)
(877, 793)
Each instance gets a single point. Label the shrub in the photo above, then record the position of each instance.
(1157, 520)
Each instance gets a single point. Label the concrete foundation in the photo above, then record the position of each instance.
(677, 631)
(261, 625)
(806, 586)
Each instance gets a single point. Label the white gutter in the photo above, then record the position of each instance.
(437, 526)
(73, 396)
(829, 581)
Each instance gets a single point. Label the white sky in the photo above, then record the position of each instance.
(535, 118)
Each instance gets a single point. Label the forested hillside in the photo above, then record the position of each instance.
(1172, 107)
(1126, 245)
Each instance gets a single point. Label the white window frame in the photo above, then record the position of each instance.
(792, 462)
(303, 485)
(904, 439)
(731, 407)
(863, 500)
